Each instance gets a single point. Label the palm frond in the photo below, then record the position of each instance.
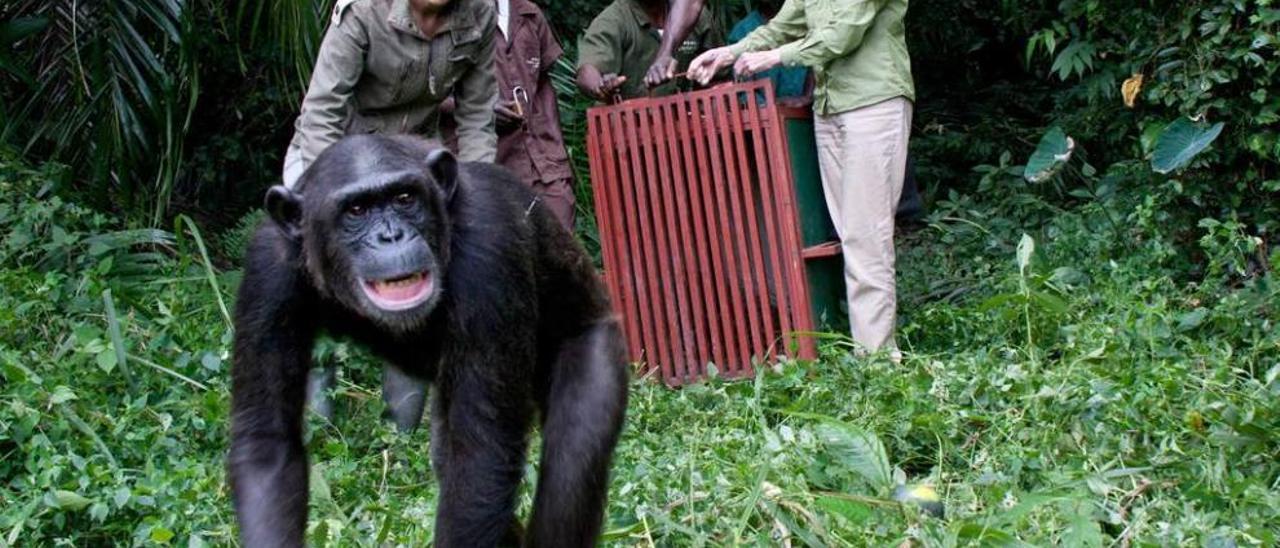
(296, 27)
(108, 80)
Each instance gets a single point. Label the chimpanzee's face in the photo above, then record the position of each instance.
(387, 235)
(375, 231)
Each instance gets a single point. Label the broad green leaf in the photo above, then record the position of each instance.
(1053, 152)
(1193, 319)
(67, 500)
(1083, 530)
(106, 361)
(1068, 276)
(62, 394)
(121, 497)
(998, 301)
(856, 512)
(1049, 302)
(211, 361)
(859, 451)
(1180, 142)
(161, 534)
(99, 511)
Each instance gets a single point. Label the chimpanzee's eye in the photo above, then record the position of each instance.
(356, 210)
(404, 198)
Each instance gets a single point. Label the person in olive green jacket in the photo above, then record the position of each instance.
(386, 65)
(616, 50)
(863, 108)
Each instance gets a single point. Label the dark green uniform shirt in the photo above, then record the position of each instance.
(622, 40)
(377, 73)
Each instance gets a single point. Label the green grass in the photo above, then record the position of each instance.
(1089, 392)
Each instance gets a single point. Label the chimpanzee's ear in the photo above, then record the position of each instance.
(444, 169)
(285, 208)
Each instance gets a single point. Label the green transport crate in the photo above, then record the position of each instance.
(824, 266)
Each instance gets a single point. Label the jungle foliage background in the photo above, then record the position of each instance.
(1093, 355)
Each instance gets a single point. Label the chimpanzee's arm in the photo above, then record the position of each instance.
(275, 332)
(581, 421)
(480, 418)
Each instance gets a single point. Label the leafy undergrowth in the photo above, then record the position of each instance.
(1065, 384)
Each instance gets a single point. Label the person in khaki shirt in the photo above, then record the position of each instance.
(863, 104)
(386, 65)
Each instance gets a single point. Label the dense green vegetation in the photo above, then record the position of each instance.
(1093, 359)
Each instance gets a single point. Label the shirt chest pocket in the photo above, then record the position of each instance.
(453, 57)
(399, 70)
(527, 49)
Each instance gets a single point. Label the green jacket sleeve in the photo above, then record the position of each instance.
(601, 45)
(475, 95)
(787, 26)
(841, 34)
(339, 65)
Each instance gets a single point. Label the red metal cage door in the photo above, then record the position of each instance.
(698, 227)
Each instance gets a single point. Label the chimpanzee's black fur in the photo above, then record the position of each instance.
(519, 327)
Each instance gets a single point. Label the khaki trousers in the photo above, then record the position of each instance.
(863, 155)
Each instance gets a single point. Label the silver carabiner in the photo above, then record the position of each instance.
(520, 96)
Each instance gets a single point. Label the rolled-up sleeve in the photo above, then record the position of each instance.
(787, 26)
(841, 33)
(475, 95)
(327, 105)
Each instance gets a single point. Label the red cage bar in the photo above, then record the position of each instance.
(698, 225)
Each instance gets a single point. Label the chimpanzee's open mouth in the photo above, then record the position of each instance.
(400, 293)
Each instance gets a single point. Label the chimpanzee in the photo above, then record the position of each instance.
(453, 274)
